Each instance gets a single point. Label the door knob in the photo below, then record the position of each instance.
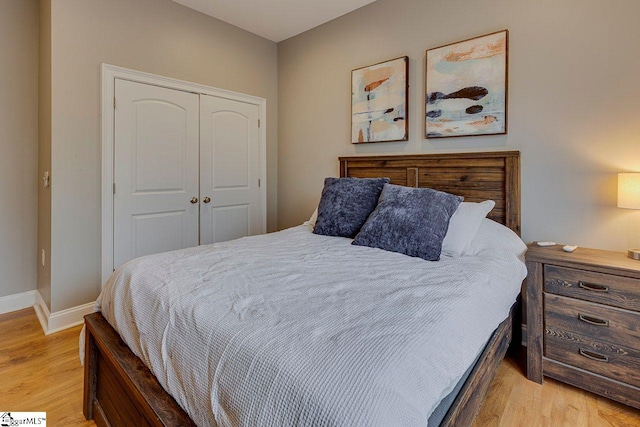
(206, 199)
(194, 200)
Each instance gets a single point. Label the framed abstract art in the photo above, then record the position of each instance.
(466, 87)
(380, 102)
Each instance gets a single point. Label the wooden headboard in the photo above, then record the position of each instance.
(493, 175)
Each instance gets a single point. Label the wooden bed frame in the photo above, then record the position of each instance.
(119, 390)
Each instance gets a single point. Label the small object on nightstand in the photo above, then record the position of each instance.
(634, 253)
(546, 243)
(569, 248)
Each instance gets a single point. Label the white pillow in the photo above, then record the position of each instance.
(313, 219)
(493, 236)
(464, 225)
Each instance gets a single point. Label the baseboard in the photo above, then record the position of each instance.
(17, 302)
(60, 320)
(42, 312)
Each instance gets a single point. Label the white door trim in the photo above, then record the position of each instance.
(112, 72)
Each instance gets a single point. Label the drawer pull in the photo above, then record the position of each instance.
(593, 287)
(594, 356)
(593, 320)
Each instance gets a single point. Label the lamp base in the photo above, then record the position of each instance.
(634, 254)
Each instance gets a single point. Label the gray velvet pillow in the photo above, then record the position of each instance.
(345, 205)
(412, 221)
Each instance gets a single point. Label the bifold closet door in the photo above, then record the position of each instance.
(229, 170)
(155, 170)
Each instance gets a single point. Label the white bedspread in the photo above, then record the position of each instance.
(292, 328)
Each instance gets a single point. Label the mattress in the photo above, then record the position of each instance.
(438, 414)
(296, 328)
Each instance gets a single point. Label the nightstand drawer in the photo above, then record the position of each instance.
(607, 289)
(612, 361)
(601, 322)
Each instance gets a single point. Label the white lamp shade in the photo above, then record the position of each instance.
(629, 190)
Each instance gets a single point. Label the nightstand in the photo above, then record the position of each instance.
(583, 320)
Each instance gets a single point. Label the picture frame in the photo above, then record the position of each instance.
(380, 102)
(466, 87)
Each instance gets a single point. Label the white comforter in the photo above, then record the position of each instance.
(292, 328)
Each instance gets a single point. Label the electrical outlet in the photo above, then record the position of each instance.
(43, 257)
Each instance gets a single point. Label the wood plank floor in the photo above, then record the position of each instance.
(515, 401)
(43, 373)
(40, 373)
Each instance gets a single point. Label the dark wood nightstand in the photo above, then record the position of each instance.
(583, 320)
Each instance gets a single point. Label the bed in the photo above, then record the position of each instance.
(121, 390)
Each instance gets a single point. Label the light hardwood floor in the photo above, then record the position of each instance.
(43, 373)
(40, 373)
(515, 401)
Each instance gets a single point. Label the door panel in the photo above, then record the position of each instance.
(155, 170)
(145, 239)
(230, 151)
(160, 146)
(230, 167)
(231, 222)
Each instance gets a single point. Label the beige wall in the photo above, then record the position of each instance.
(44, 150)
(156, 36)
(18, 145)
(574, 99)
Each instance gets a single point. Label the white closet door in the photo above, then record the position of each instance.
(229, 170)
(155, 170)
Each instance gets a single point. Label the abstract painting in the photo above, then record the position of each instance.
(466, 87)
(380, 102)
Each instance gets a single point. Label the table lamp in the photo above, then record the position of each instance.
(629, 198)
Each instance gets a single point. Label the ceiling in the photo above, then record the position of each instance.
(275, 20)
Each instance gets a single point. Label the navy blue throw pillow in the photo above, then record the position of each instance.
(345, 205)
(412, 221)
